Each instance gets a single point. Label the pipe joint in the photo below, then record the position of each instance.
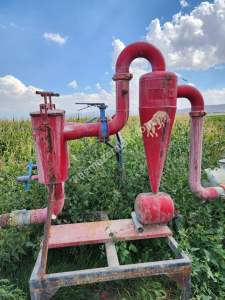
(122, 76)
(195, 114)
(19, 218)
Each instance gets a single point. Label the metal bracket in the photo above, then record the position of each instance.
(43, 286)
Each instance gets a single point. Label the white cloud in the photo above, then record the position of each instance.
(17, 100)
(73, 84)
(55, 37)
(214, 96)
(192, 41)
(183, 3)
(220, 67)
(98, 86)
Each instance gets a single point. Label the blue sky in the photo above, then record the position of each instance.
(48, 44)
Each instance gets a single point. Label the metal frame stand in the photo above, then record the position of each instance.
(43, 286)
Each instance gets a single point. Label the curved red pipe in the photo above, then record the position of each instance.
(193, 95)
(39, 216)
(122, 77)
(140, 49)
(196, 135)
(35, 216)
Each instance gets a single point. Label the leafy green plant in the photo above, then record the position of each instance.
(9, 292)
(200, 231)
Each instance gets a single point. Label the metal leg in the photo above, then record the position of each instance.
(43, 286)
(186, 288)
(35, 295)
(42, 294)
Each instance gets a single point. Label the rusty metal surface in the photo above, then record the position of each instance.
(102, 232)
(111, 254)
(4, 220)
(179, 269)
(113, 273)
(44, 255)
(110, 248)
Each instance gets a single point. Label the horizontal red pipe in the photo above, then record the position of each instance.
(122, 77)
(35, 216)
(196, 135)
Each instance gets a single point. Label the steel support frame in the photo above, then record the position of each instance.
(44, 286)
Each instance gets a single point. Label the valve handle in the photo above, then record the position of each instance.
(47, 94)
(26, 179)
(104, 123)
(47, 100)
(97, 104)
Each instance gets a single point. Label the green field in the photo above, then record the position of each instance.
(200, 231)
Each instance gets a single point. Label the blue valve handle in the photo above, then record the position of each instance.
(104, 123)
(25, 179)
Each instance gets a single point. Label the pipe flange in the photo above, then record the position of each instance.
(122, 76)
(197, 113)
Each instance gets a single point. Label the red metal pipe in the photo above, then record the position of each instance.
(196, 135)
(140, 49)
(39, 216)
(35, 216)
(122, 77)
(194, 96)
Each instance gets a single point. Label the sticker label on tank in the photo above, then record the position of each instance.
(159, 120)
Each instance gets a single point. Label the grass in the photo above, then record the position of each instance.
(200, 231)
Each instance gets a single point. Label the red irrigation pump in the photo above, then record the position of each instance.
(157, 109)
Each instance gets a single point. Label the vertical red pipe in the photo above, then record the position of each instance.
(196, 135)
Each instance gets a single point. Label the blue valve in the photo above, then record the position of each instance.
(103, 119)
(26, 179)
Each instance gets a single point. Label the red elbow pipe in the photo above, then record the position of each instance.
(39, 216)
(140, 50)
(122, 77)
(193, 95)
(196, 135)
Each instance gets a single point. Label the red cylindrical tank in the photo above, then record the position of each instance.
(51, 148)
(154, 208)
(157, 108)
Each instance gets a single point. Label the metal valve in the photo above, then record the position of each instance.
(47, 100)
(26, 179)
(104, 125)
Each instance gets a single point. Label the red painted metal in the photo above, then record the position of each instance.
(196, 135)
(122, 77)
(39, 216)
(101, 232)
(154, 208)
(157, 109)
(158, 94)
(140, 49)
(51, 149)
(194, 96)
(195, 162)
